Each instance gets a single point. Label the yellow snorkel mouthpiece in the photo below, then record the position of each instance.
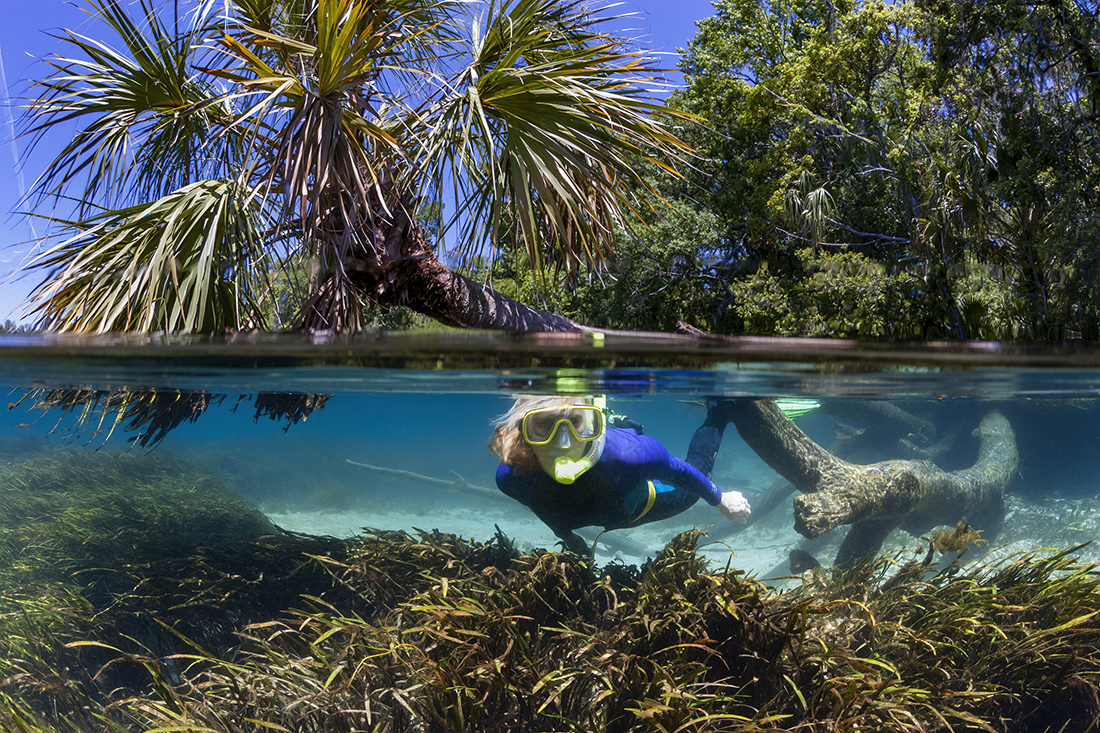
(568, 440)
(567, 470)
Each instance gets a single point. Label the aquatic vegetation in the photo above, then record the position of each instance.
(551, 643)
(241, 627)
(957, 539)
(477, 638)
(115, 549)
(1007, 648)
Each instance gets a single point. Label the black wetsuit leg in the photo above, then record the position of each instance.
(707, 439)
(667, 504)
(701, 453)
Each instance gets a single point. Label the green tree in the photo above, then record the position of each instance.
(1022, 77)
(952, 143)
(843, 295)
(216, 154)
(666, 272)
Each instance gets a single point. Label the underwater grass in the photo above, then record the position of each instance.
(137, 593)
(538, 643)
(458, 640)
(130, 553)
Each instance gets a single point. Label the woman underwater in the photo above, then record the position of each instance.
(559, 458)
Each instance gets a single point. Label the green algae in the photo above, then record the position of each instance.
(128, 552)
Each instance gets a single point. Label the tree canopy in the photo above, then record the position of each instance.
(953, 143)
(919, 169)
(913, 169)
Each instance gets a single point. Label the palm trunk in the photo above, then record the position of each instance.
(429, 287)
(405, 271)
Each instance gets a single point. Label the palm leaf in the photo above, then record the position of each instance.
(330, 133)
(549, 126)
(346, 112)
(175, 264)
(143, 118)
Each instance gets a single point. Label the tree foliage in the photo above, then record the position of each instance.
(842, 294)
(951, 143)
(670, 270)
(917, 169)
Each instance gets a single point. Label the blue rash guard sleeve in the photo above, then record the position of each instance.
(655, 462)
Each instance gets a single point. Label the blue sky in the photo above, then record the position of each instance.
(660, 25)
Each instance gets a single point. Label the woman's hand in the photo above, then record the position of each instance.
(734, 506)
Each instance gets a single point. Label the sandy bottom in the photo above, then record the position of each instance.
(760, 549)
(757, 548)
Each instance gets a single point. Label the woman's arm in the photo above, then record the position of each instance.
(671, 470)
(683, 475)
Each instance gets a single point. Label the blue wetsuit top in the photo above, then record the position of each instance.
(606, 495)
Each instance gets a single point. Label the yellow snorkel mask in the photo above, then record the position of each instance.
(553, 431)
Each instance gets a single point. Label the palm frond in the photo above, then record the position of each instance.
(549, 126)
(143, 118)
(348, 113)
(333, 141)
(179, 263)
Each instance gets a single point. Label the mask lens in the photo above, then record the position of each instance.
(585, 422)
(540, 426)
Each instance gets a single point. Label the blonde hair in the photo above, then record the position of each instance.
(507, 441)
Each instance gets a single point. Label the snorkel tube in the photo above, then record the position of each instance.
(567, 470)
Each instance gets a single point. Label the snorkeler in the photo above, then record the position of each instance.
(560, 459)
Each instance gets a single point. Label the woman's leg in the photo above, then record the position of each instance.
(668, 502)
(708, 438)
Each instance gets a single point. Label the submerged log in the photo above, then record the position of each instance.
(773, 497)
(876, 498)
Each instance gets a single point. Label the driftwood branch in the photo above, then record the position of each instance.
(459, 483)
(878, 497)
(771, 498)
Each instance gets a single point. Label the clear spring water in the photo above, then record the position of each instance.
(424, 404)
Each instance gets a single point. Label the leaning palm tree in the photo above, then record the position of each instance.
(219, 144)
